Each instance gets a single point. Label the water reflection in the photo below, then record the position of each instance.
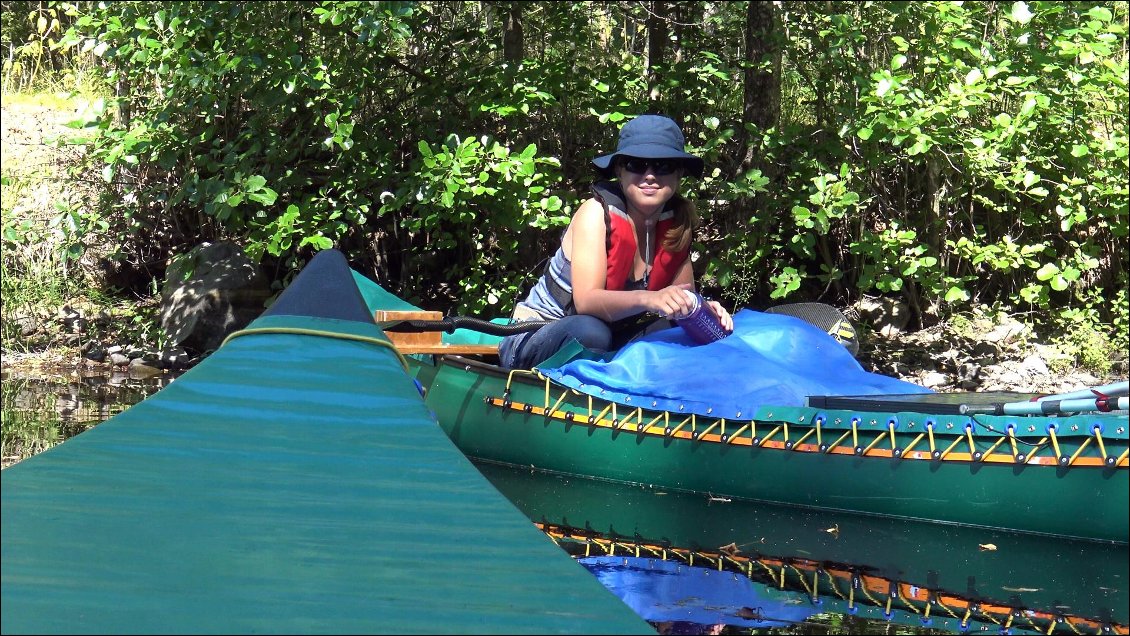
(40, 410)
(697, 564)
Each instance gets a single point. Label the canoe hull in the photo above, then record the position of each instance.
(486, 421)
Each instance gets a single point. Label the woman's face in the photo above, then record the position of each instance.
(648, 183)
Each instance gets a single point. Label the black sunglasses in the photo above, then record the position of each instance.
(658, 167)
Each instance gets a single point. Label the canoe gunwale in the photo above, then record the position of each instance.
(869, 438)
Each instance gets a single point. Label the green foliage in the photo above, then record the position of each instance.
(952, 154)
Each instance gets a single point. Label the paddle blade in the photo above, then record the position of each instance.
(826, 317)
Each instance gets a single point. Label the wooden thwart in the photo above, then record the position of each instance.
(425, 341)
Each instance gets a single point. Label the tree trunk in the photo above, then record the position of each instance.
(513, 47)
(657, 35)
(761, 100)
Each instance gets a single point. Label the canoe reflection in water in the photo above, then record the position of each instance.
(692, 564)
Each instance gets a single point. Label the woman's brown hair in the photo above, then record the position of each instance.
(686, 220)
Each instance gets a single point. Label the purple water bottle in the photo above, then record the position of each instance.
(701, 324)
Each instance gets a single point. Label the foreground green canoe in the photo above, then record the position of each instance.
(909, 458)
(293, 482)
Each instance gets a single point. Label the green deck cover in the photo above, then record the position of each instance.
(290, 483)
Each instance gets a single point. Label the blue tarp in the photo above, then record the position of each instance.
(769, 360)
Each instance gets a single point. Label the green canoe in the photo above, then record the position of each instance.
(920, 459)
(293, 482)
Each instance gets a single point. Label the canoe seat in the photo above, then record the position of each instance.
(407, 342)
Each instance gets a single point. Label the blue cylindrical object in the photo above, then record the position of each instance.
(701, 324)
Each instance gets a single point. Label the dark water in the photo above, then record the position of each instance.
(697, 565)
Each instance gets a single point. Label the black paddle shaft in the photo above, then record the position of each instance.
(451, 323)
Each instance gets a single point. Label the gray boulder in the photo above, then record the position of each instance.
(209, 293)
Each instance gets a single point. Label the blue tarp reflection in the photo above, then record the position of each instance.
(692, 600)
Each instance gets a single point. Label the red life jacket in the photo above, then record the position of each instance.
(621, 242)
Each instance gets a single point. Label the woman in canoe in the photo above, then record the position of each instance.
(626, 253)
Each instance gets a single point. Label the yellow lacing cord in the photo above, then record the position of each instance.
(969, 436)
(950, 448)
(1012, 439)
(768, 570)
(1078, 451)
(819, 440)
(661, 416)
(837, 442)
(319, 332)
(906, 602)
(785, 429)
(546, 403)
(992, 448)
(968, 613)
(832, 584)
(638, 416)
(878, 438)
(1099, 439)
(804, 437)
(946, 608)
(514, 372)
(737, 564)
(600, 416)
(781, 583)
(804, 583)
(930, 430)
(1035, 449)
(736, 434)
(912, 444)
(1055, 442)
(771, 434)
(709, 428)
(891, 430)
(855, 432)
(553, 409)
(1122, 457)
(689, 418)
(867, 593)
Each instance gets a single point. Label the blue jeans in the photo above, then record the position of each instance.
(527, 350)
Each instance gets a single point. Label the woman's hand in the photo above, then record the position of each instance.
(724, 316)
(671, 302)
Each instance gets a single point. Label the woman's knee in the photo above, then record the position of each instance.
(592, 332)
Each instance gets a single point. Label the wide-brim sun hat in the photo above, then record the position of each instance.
(651, 137)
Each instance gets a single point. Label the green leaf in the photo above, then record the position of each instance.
(955, 294)
(1080, 150)
(865, 133)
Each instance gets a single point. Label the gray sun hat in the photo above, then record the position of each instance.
(651, 137)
